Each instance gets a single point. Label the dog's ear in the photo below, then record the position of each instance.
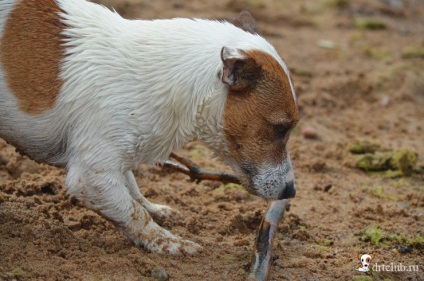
(234, 61)
(246, 22)
(372, 256)
(240, 71)
(359, 256)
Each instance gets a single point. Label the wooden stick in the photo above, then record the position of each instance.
(196, 173)
(262, 255)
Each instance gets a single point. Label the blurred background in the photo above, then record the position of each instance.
(358, 69)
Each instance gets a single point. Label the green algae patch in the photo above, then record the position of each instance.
(370, 23)
(364, 146)
(337, 3)
(409, 53)
(417, 242)
(372, 157)
(373, 235)
(224, 189)
(379, 161)
(404, 160)
(375, 53)
(379, 238)
(17, 272)
(378, 191)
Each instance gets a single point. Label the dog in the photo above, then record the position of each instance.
(85, 89)
(365, 262)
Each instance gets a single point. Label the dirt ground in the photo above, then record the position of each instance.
(359, 74)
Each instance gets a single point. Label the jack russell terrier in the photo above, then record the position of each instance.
(85, 89)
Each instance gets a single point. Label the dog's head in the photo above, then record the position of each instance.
(260, 111)
(365, 259)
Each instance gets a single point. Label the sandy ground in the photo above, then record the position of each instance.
(352, 83)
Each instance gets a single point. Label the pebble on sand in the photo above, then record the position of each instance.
(160, 274)
(309, 133)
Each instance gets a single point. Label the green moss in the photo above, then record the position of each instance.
(221, 191)
(404, 160)
(326, 242)
(336, 3)
(17, 272)
(369, 23)
(377, 237)
(417, 242)
(303, 227)
(257, 4)
(378, 54)
(197, 153)
(323, 249)
(379, 161)
(410, 52)
(378, 191)
(364, 146)
(373, 235)
(403, 183)
(388, 174)
(376, 276)
(228, 258)
(372, 157)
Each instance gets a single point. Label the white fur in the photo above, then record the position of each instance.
(133, 92)
(270, 177)
(5, 7)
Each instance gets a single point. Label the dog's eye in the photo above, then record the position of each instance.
(281, 131)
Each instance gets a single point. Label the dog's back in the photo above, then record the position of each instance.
(68, 66)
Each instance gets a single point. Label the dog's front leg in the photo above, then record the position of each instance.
(105, 191)
(157, 211)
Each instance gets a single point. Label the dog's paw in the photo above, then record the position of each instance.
(189, 247)
(174, 246)
(162, 213)
(146, 233)
(184, 247)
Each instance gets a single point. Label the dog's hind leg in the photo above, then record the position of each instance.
(105, 191)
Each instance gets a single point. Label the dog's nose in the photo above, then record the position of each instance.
(289, 191)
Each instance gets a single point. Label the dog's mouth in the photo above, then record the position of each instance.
(264, 190)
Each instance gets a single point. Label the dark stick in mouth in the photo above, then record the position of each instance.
(262, 255)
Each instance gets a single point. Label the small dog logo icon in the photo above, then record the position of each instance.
(365, 262)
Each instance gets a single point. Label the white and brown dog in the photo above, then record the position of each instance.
(85, 89)
(365, 260)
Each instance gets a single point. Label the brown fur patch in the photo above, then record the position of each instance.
(31, 54)
(255, 119)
